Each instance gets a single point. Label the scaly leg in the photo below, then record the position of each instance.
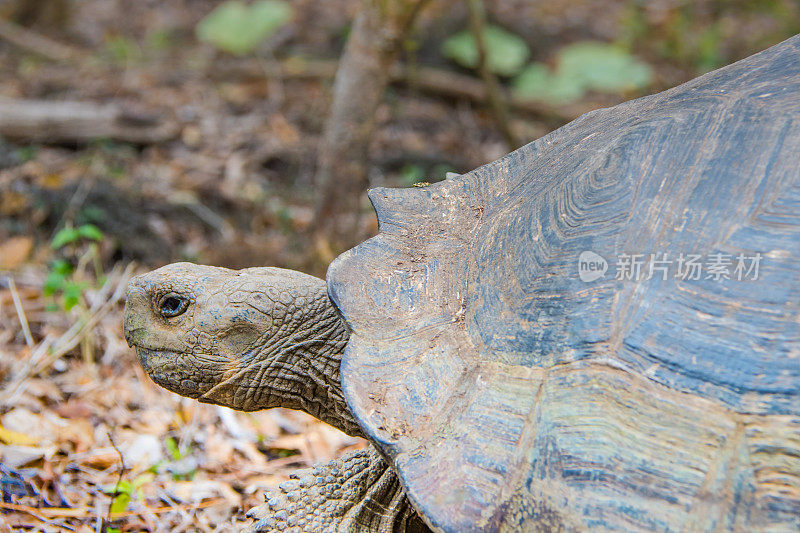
(356, 493)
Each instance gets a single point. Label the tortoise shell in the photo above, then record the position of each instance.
(520, 375)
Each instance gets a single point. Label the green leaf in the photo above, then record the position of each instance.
(64, 237)
(411, 174)
(161, 39)
(120, 49)
(603, 67)
(238, 29)
(506, 53)
(439, 171)
(93, 213)
(583, 67)
(120, 502)
(172, 448)
(270, 15)
(709, 55)
(177, 476)
(71, 293)
(90, 231)
(53, 283)
(26, 153)
(62, 267)
(537, 82)
(68, 302)
(116, 488)
(69, 235)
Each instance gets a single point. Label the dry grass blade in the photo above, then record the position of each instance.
(23, 320)
(47, 351)
(65, 512)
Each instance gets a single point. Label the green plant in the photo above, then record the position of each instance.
(26, 153)
(439, 171)
(160, 40)
(506, 53)
(582, 67)
(175, 464)
(123, 492)
(708, 55)
(238, 29)
(538, 82)
(107, 159)
(70, 235)
(633, 26)
(411, 174)
(172, 447)
(65, 281)
(59, 283)
(121, 50)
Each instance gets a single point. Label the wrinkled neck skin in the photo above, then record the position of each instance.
(249, 339)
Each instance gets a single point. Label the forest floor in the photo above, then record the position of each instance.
(87, 441)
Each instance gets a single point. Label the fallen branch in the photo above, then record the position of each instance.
(429, 80)
(459, 86)
(78, 122)
(38, 44)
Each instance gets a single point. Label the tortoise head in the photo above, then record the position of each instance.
(248, 339)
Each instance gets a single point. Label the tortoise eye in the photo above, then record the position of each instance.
(172, 305)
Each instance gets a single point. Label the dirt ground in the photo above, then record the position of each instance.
(87, 441)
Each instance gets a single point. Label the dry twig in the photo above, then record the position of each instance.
(23, 320)
(429, 80)
(38, 44)
(119, 476)
(495, 98)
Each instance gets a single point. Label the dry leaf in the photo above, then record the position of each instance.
(283, 129)
(8, 436)
(204, 489)
(18, 456)
(74, 409)
(14, 252)
(22, 420)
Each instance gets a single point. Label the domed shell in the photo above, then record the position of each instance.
(519, 371)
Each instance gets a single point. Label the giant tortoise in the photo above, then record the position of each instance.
(600, 330)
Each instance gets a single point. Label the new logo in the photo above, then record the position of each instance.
(591, 266)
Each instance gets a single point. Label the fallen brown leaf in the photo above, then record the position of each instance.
(15, 251)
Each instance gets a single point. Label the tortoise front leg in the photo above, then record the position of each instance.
(356, 493)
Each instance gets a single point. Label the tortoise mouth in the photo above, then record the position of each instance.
(165, 369)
